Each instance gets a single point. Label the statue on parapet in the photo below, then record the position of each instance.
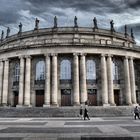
(75, 22)
(36, 24)
(8, 32)
(95, 23)
(20, 28)
(55, 22)
(112, 26)
(2, 35)
(132, 34)
(125, 29)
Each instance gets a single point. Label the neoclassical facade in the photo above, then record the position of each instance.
(67, 66)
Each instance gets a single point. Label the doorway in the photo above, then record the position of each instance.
(39, 98)
(65, 97)
(92, 97)
(15, 98)
(117, 97)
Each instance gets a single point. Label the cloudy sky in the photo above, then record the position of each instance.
(12, 12)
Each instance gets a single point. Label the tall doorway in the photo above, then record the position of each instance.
(92, 97)
(117, 97)
(39, 98)
(15, 98)
(65, 97)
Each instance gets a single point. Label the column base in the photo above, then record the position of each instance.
(27, 106)
(4, 105)
(113, 104)
(106, 105)
(46, 105)
(135, 104)
(18, 106)
(54, 104)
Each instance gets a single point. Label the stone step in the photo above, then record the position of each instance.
(65, 111)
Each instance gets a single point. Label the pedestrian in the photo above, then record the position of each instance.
(81, 112)
(86, 114)
(136, 112)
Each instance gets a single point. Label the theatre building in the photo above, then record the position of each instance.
(66, 66)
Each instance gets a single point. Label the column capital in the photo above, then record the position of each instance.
(103, 55)
(28, 56)
(47, 54)
(1, 60)
(75, 54)
(54, 54)
(109, 55)
(126, 57)
(5, 59)
(21, 56)
(83, 54)
(131, 58)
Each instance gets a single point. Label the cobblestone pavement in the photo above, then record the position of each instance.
(100, 128)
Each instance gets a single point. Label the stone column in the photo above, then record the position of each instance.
(27, 94)
(5, 82)
(127, 82)
(132, 81)
(47, 81)
(21, 82)
(54, 80)
(76, 79)
(104, 84)
(1, 79)
(83, 86)
(110, 80)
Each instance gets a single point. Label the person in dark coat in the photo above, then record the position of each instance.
(136, 112)
(81, 113)
(86, 114)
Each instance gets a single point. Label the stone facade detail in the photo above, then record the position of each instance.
(98, 84)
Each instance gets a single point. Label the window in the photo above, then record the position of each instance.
(16, 72)
(91, 70)
(40, 70)
(115, 71)
(65, 70)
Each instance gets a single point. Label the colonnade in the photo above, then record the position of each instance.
(79, 80)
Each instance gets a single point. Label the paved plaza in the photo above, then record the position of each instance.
(69, 128)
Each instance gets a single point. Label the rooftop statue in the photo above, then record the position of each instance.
(125, 29)
(20, 28)
(55, 22)
(112, 26)
(2, 35)
(36, 24)
(8, 32)
(95, 23)
(132, 34)
(75, 22)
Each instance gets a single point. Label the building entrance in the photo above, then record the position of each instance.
(116, 97)
(15, 98)
(92, 97)
(65, 97)
(39, 98)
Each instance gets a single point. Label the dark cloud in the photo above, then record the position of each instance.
(134, 4)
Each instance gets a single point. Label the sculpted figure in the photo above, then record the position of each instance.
(20, 27)
(2, 35)
(95, 23)
(55, 22)
(75, 22)
(125, 29)
(36, 24)
(132, 35)
(112, 26)
(8, 32)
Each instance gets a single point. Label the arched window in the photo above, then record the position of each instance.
(91, 70)
(40, 70)
(16, 72)
(65, 70)
(115, 71)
